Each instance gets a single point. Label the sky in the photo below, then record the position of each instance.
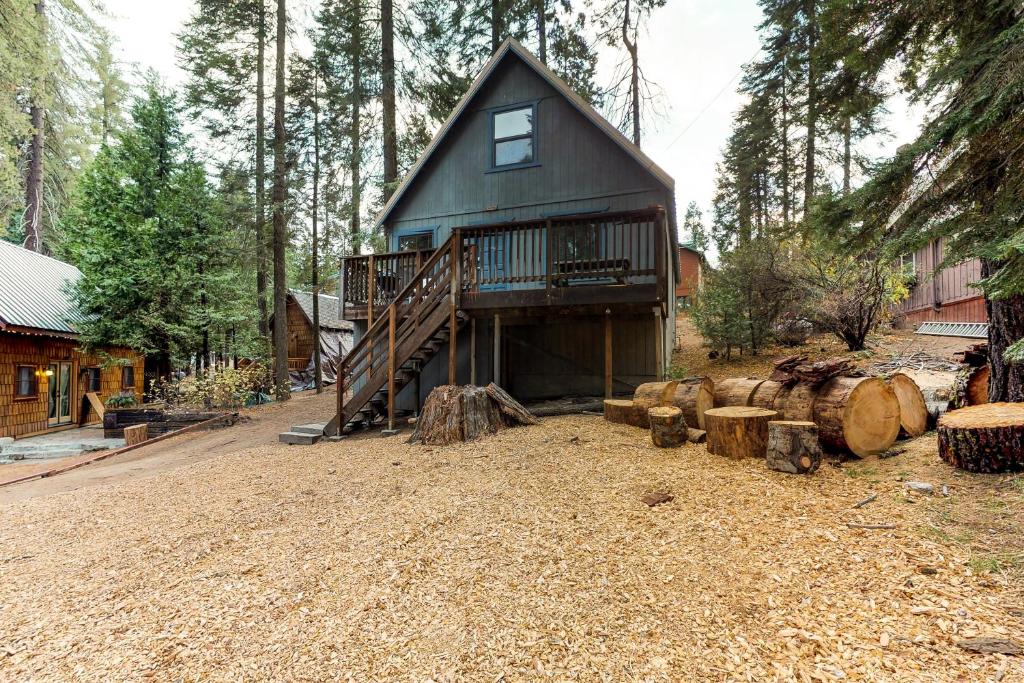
(693, 50)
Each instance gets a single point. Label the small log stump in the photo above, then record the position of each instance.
(622, 411)
(987, 438)
(738, 431)
(136, 434)
(793, 447)
(668, 426)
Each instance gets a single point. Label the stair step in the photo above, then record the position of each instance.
(299, 438)
(312, 428)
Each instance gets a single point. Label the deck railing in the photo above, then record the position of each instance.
(601, 249)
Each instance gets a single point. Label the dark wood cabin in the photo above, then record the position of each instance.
(534, 233)
(941, 294)
(335, 337)
(44, 373)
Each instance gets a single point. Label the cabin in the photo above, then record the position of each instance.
(690, 276)
(334, 338)
(46, 378)
(532, 245)
(943, 295)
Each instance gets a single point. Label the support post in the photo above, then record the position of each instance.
(371, 286)
(453, 303)
(659, 344)
(549, 242)
(391, 367)
(661, 254)
(497, 350)
(607, 354)
(472, 351)
(419, 287)
(341, 288)
(340, 385)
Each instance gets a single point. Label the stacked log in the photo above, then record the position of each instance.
(738, 431)
(693, 396)
(913, 409)
(796, 402)
(987, 438)
(735, 392)
(857, 414)
(654, 394)
(765, 394)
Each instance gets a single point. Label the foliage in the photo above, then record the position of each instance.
(122, 400)
(221, 388)
(741, 301)
(694, 230)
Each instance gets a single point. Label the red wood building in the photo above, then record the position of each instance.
(691, 270)
(946, 295)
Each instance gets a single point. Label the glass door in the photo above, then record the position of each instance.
(59, 376)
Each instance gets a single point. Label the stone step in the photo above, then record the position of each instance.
(299, 438)
(312, 428)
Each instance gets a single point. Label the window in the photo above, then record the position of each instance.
(513, 136)
(416, 242)
(26, 384)
(92, 379)
(908, 262)
(127, 377)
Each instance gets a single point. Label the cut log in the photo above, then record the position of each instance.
(668, 426)
(970, 387)
(913, 409)
(793, 447)
(765, 394)
(937, 389)
(796, 403)
(737, 391)
(738, 431)
(624, 412)
(136, 434)
(696, 435)
(454, 413)
(794, 369)
(987, 438)
(654, 394)
(510, 407)
(693, 396)
(857, 414)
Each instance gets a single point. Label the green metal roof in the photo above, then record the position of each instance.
(35, 291)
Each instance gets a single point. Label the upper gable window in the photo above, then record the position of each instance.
(513, 136)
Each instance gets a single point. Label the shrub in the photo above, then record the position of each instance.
(224, 388)
(122, 400)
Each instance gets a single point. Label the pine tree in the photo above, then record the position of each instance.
(280, 197)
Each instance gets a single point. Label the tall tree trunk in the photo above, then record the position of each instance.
(318, 375)
(34, 176)
(812, 104)
(387, 27)
(847, 156)
(542, 30)
(261, 183)
(496, 28)
(355, 162)
(280, 229)
(786, 200)
(634, 78)
(1005, 326)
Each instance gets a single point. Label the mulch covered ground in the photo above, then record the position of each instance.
(525, 556)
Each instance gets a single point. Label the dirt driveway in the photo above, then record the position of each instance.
(260, 427)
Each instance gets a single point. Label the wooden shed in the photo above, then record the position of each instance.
(334, 337)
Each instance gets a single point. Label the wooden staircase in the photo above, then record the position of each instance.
(401, 340)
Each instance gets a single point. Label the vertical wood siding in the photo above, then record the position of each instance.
(946, 295)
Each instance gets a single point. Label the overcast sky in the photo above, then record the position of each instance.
(694, 51)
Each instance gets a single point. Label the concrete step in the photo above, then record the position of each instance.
(312, 428)
(299, 438)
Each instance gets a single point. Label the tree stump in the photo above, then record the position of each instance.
(624, 412)
(668, 426)
(654, 394)
(454, 413)
(796, 403)
(693, 396)
(136, 434)
(736, 391)
(857, 414)
(793, 447)
(987, 438)
(738, 431)
(913, 409)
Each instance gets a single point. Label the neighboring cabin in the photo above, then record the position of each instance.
(564, 233)
(946, 296)
(44, 374)
(335, 337)
(691, 272)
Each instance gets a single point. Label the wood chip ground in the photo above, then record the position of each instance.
(528, 555)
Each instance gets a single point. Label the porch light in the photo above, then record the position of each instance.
(48, 372)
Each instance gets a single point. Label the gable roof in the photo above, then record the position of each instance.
(511, 45)
(35, 291)
(329, 310)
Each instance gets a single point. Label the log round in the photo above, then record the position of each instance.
(624, 412)
(857, 414)
(793, 447)
(738, 431)
(736, 391)
(654, 394)
(765, 394)
(668, 426)
(987, 438)
(796, 402)
(913, 409)
(970, 387)
(694, 396)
